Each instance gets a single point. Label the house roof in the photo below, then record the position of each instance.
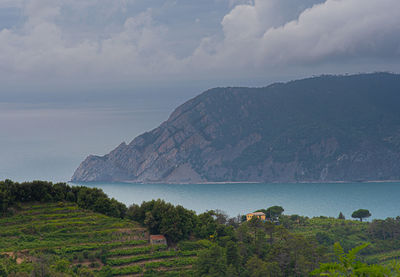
(257, 213)
(157, 237)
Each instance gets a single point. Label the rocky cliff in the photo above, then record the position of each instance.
(328, 128)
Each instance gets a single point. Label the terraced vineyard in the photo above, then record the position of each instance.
(350, 233)
(68, 239)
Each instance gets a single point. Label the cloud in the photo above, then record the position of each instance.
(260, 35)
(11, 3)
(59, 41)
(43, 48)
(41, 11)
(337, 29)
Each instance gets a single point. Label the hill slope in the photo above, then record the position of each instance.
(328, 128)
(61, 238)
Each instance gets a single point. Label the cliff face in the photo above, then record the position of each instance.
(329, 128)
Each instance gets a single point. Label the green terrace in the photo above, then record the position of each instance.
(82, 240)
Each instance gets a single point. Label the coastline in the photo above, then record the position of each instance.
(235, 182)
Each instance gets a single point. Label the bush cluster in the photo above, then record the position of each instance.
(93, 199)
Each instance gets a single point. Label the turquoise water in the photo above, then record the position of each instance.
(382, 199)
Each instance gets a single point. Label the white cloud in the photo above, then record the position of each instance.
(336, 29)
(257, 36)
(41, 49)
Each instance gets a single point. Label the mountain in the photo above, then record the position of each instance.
(321, 129)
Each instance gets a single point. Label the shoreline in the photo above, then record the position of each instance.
(235, 182)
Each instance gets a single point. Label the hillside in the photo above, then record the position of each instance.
(44, 234)
(322, 129)
(61, 239)
(56, 238)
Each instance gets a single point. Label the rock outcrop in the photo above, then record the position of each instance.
(322, 129)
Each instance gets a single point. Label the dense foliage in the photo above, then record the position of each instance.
(272, 212)
(259, 248)
(61, 239)
(40, 191)
(175, 222)
(361, 213)
(347, 265)
(388, 229)
(57, 228)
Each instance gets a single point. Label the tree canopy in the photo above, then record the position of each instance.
(41, 191)
(175, 222)
(361, 213)
(274, 212)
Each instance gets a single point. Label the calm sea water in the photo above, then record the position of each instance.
(382, 199)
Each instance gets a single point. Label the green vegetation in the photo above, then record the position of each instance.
(361, 213)
(272, 212)
(299, 245)
(39, 191)
(347, 265)
(92, 235)
(85, 244)
(56, 230)
(175, 222)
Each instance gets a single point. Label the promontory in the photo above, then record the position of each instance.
(320, 129)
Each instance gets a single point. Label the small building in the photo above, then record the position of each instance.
(259, 215)
(158, 239)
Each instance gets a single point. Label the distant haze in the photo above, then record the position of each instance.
(79, 77)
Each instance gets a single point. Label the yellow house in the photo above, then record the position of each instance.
(259, 215)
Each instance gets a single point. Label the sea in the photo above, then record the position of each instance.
(382, 199)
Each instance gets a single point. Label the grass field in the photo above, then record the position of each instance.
(68, 239)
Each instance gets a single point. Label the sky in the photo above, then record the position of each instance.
(78, 77)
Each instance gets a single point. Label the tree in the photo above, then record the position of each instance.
(206, 225)
(269, 228)
(151, 223)
(255, 223)
(296, 255)
(3, 271)
(341, 216)
(259, 268)
(348, 266)
(234, 221)
(260, 244)
(42, 267)
(211, 262)
(361, 213)
(385, 229)
(4, 201)
(232, 254)
(220, 216)
(274, 212)
(175, 222)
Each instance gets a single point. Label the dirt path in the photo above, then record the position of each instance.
(19, 257)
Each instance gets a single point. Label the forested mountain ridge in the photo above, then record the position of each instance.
(327, 128)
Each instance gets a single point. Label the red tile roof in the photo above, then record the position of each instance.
(157, 237)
